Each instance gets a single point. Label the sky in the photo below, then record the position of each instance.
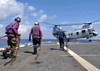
(51, 11)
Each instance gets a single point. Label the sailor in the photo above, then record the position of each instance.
(12, 32)
(36, 36)
(61, 35)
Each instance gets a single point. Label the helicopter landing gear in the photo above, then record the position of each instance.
(90, 40)
(67, 40)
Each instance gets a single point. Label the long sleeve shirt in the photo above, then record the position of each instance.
(12, 28)
(35, 31)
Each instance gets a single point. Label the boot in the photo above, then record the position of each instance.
(35, 50)
(5, 54)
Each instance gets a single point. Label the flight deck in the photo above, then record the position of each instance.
(80, 57)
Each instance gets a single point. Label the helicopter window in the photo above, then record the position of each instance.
(89, 30)
(77, 33)
(83, 31)
(71, 34)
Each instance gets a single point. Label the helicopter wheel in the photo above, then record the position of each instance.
(89, 40)
(68, 40)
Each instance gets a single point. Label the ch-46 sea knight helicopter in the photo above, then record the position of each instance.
(86, 31)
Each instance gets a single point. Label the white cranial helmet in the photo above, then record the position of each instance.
(60, 28)
(36, 23)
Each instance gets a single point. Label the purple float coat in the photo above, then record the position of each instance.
(12, 28)
(35, 31)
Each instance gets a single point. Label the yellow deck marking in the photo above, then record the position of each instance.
(82, 61)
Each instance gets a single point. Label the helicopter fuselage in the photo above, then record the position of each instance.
(87, 32)
(81, 33)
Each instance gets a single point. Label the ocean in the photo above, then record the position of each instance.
(3, 42)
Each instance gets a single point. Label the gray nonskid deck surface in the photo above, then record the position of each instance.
(90, 51)
(51, 59)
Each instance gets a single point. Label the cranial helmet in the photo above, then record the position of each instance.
(18, 19)
(36, 23)
(60, 28)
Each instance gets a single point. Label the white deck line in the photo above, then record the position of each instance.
(82, 61)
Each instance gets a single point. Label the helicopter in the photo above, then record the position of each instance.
(86, 31)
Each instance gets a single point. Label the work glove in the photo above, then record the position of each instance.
(57, 37)
(18, 35)
(41, 37)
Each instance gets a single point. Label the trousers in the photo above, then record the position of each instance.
(61, 41)
(36, 43)
(12, 42)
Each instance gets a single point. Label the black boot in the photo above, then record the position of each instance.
(5, 54)
(35, 50)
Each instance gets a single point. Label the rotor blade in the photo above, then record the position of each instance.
(78, 23)
(66, 24)
(47, 23)
(70, 24)
(95, 21)
(50, 27)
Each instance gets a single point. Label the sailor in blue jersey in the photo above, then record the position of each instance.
(61, 35)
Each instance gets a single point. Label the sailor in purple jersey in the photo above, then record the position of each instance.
(36, 36)
(12, 28)
(12, 31)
